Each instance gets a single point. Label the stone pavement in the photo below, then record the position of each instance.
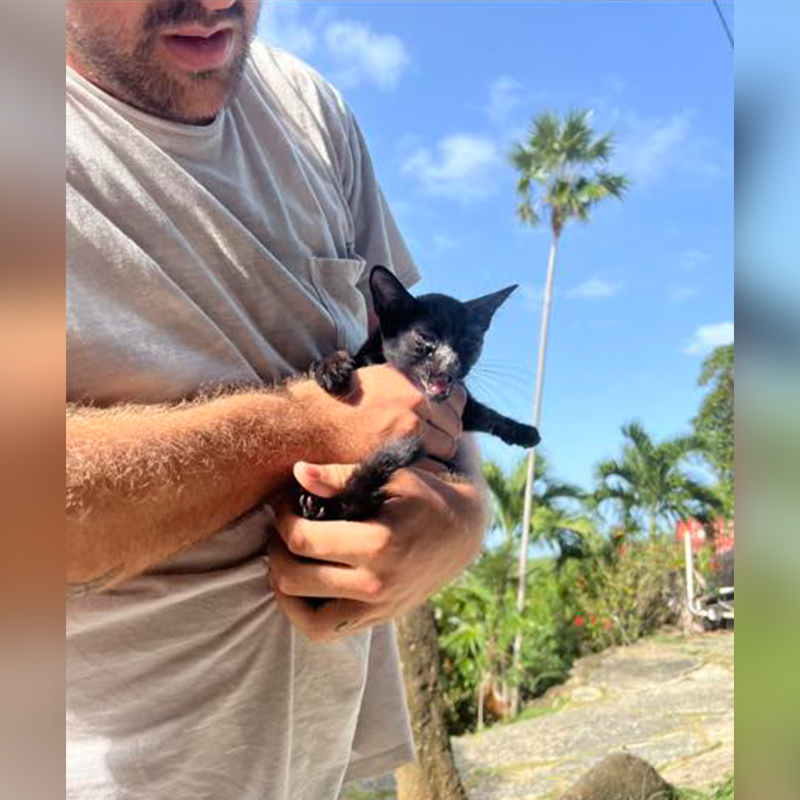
(668, 699)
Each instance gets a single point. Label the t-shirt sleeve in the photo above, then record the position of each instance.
(377, 237)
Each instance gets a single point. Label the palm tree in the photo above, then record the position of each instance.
(715, 420)
(554, 525)
(508, 501)
(560, 161)
(651, 479)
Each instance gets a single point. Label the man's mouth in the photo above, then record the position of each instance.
(199, 49)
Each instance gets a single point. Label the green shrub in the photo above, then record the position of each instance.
(629, 590)
(613, 594)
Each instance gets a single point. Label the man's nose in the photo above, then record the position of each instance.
(217, 5)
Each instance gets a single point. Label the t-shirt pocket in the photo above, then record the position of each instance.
(336, 282)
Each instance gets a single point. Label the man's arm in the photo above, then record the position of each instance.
(145, 482)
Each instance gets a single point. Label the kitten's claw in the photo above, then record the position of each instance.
(311, 506)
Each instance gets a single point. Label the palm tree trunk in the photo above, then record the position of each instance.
(653, 529)
(433, 775)
(528, 507)
(481, 694)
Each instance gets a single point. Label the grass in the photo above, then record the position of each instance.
(723, 791)
(534, 712)
(357, 793)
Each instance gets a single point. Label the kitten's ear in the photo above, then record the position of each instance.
(484, 307)
(388, 294)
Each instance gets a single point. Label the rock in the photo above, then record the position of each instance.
(621, 777)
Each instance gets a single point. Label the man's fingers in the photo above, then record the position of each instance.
(331, 620)
(432, 466)
(447, 416)
(318, 579)
(458, 399)
(338, 541)
(439, 444)
(323, 480)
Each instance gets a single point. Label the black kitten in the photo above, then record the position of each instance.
(435, 340)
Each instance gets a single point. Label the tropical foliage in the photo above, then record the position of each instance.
(651, 479)
(605, 569)
(714, 422)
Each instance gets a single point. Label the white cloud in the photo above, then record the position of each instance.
(649, 144)
(595, 288)
(357, 54)
(690, 260)
(280, 26)
(363, 56)
(650, 149)
(680, 294)
(462, 168)
(707, 337)
(505, 94)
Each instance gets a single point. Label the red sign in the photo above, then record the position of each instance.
(722, 533)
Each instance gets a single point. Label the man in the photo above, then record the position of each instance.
(221, 213)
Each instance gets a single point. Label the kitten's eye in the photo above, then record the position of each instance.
(424, 346)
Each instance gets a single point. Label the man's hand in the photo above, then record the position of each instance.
(383, 405)
(428, 532)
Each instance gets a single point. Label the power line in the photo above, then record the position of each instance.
(724, 22)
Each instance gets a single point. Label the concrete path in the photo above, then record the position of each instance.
(668, 699)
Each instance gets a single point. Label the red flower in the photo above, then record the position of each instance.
(579, 621)
(594, 620)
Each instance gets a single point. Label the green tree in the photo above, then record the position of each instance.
(508, 504)
(560, 179)
(714, 422)
(556, 522)
(652, 480)
(478, 631)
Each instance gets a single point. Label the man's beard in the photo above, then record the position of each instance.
(139, 80)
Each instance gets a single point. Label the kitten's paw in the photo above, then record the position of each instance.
(519, 434)
(335, 372)
(312, 507)
(528, 436)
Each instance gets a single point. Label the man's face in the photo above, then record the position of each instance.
(177, 59)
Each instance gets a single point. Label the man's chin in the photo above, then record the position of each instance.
(200, 112)
(200, 96)
(195, 98)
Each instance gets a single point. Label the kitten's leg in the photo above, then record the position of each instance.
(478, 417)
(364, 493)
(334, 372)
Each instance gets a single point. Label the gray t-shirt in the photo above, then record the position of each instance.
(197, 256)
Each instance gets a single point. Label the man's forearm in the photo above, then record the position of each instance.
(145, 482)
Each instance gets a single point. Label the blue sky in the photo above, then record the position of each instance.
(442, 90)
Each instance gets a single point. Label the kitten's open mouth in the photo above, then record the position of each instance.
(438, 387)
